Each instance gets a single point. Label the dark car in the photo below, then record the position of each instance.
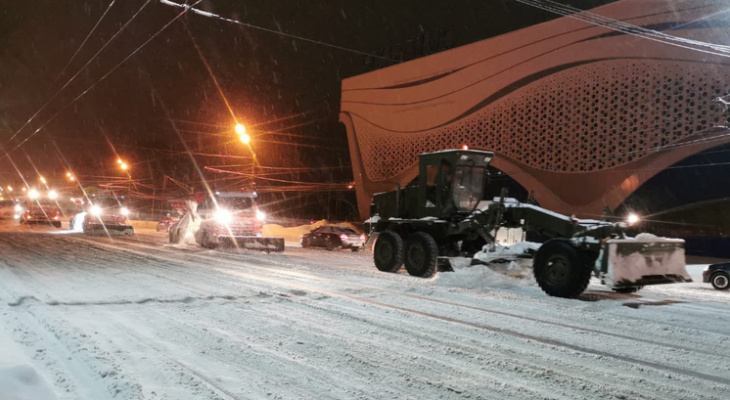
(718, 275)
(333, 237)
(163, 225)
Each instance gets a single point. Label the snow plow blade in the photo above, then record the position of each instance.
(642, 261)
(114, 230)
(267, 244)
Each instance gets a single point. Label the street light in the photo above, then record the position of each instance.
(124, 166)
(242, 135)
(43, 180)
(10, 188)
(70, 176)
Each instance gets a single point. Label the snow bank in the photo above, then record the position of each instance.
(19, 380)
(481, 276)
(488, 254)
(294, 234)
(143, 224)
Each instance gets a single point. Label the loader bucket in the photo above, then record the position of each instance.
(109, 230)
(644, 260)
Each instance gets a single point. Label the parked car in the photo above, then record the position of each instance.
(718, 275)
(163, 225)
(334, 237)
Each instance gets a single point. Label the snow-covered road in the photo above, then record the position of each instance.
(134, 318)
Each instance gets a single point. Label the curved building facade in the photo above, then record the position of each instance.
(580, 114)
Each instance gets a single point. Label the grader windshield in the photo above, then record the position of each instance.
(468, 186)
(468, 182)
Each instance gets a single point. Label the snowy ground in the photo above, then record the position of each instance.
(134, 318)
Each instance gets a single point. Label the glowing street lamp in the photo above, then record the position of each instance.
(242, 135)
(33, 194)
(124, 166)
(70, 176)
(53, 195)
(10, 188)
(43, 180)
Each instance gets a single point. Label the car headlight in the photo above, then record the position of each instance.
(95, 210)
(260, 215)
(125, 211)
(223, 216)
(53, 195)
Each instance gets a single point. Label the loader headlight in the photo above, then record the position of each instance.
(633, 219)
(260, 215)
(125, 211)
(95, 210)
(223, 216)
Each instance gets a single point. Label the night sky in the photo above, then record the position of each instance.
(285, 90)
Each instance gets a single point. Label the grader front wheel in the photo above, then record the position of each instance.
(560, 270)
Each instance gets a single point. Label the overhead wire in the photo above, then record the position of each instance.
(91, 32)
(629, 29)
(105, 75)
(120, 30)
(277, 32)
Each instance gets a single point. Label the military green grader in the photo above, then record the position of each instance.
(442, 214)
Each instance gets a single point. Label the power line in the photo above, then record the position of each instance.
(629, 29)
(104, 76)
(109, 7)
(75, 75)
(248, 25)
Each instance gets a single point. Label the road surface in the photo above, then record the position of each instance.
(135, 318)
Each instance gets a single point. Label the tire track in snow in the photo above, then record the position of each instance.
(284, 275)
(294, 274)
(547, 341)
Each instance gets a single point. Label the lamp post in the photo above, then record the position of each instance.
(125, 168)
(244, 137)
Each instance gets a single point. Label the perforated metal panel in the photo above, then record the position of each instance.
(586, 118)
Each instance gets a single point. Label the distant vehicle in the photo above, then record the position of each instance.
(163, 225)
(234, 220)
(334, 237)
(718, 275)
(10, 209)
(41, 211)
(106, 216)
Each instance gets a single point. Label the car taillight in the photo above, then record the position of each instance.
(343, 237)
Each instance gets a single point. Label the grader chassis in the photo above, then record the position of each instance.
(441, 214)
